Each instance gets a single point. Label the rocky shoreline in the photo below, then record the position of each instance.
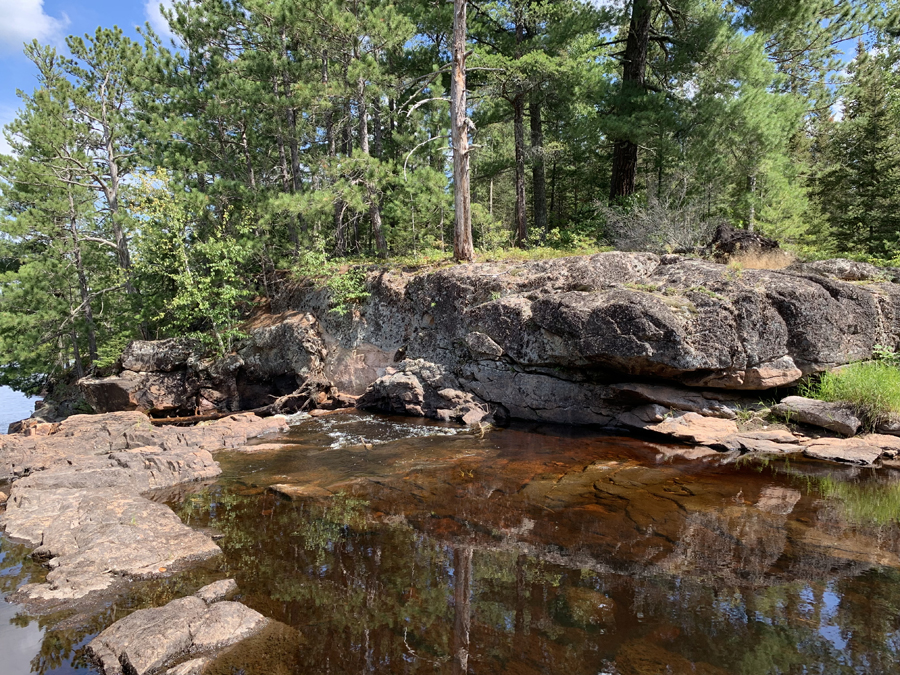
(616, 340)
(680, 349)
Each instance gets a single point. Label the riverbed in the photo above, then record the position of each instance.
(397, 546)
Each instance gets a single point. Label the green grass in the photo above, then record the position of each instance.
(871, 388)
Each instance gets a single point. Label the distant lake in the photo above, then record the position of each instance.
(14, 407)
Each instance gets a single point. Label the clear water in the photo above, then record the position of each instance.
(388, 546)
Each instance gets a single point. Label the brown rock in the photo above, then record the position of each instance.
(3, 498)
(832, 416)
(300, 491)
(889, 444)
(849, 450)
(677, 398)
(778, 500)
(694, 428)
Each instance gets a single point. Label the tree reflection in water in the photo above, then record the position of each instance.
(540, 554)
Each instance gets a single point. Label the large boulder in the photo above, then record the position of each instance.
(199, 626)
(147, 392)
(157, 356)
(835, 417)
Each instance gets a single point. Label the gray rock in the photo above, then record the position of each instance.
(481, 345)
(423, 389)
(848, 270)
(157, 356)
(217, 591)
(146, 392)
(832, 416)
(677, 398)
(192, 667)
(151, 639)
(846, 450)
(78, 498)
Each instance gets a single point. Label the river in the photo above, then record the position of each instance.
(14, 406)
(389, 546)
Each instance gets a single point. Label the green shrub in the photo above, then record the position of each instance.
(871, 388)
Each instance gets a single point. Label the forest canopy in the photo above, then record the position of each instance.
(156, 188)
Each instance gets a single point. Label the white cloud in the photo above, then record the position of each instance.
(24, 21)
(155, 17)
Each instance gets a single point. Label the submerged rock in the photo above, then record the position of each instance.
(835, 417)
(151, 639)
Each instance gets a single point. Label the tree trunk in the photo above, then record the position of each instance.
(625, 151)
(751, 189)
(371, 192)
(462, 611)
(519, 137)
(538, 175)
(519, 132)
(83, 284)
(463, 247)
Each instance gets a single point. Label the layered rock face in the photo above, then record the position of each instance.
(572, 340)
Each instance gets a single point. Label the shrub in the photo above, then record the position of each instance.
(872, 388)
(660, 226)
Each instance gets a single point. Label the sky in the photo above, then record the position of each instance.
(50, 21)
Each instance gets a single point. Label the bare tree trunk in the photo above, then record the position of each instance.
(519, 138)
(83, 284)
(462, 611)
(463, 247)
(329, 110)
(371, 192)
(519, 133)
(625, 151)
(538, 175)
(751, 189)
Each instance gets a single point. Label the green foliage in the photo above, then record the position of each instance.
(156, 192)
(197, 274)
(872, 388)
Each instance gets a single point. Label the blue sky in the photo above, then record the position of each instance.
(50, 21)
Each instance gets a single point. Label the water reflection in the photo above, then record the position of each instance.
(534, 552)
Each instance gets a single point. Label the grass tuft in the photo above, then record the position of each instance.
(871, 388)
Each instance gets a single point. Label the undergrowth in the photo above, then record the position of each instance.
(871, 388)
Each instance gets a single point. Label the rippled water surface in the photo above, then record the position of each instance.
(391, 546)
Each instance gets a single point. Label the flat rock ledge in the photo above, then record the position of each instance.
(79, 498)
(724, 435)
(179, 638)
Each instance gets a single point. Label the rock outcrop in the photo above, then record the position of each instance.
(78, 497)
(167, 377)
(579, 340)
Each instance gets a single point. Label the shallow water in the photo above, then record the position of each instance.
(412, 547)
